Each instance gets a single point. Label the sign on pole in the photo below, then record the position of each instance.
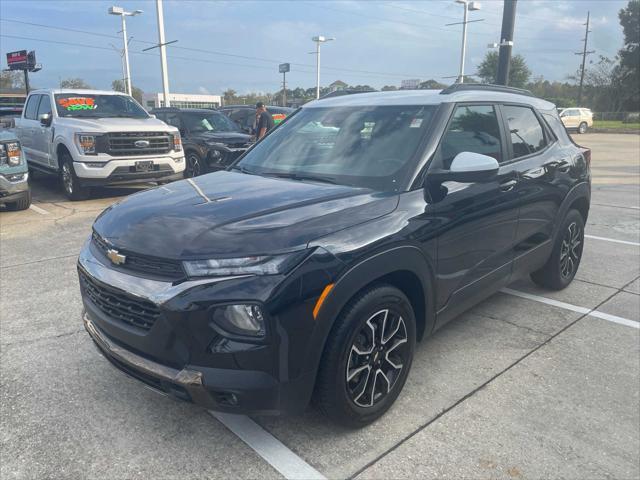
(17, 60)
(284, 68)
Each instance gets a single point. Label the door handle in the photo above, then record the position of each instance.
(563, 165)
(508, 185)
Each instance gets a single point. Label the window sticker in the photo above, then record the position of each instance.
(77, 103)
(415, 123)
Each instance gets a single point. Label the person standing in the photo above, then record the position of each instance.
(264, 122)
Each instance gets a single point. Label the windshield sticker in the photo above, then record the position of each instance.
(415, 123)
(77, 103)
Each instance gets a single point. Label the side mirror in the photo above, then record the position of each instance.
(468, 167)
(45, 119)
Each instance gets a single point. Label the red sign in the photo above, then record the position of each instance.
(17, 60)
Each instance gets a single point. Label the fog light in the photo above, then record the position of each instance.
(244, 319)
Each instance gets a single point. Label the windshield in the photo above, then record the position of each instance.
(83, 105)
(208, 122)
(371, 147)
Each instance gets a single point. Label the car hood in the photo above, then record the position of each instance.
(228, 138)
(230, 214)
(116, 124)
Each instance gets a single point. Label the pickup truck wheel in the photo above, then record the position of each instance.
(582, 128)
(367, 357)
(70, 183)
(22, 204)
(195, 165)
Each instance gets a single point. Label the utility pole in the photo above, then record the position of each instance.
(506, 41)
(468, 7)
(163, 54)
(123, 13)
(284, 89)
(319, 39)
(584, 54)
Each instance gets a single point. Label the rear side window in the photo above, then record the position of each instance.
(527, 136)
(473, 128)
(32, 107)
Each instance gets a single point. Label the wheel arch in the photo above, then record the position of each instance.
(60, 150)
(578, 198)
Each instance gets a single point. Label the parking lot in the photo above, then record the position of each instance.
(528, 384)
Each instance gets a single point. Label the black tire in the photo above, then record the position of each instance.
(22, 204)
(69, 181)
(356, 402)
(194, 166)
(563, 264)
(582, 128)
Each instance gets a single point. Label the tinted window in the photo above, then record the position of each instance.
(370, 147)
(173, 119)
(90, 105)
(208, 122)
(473, 128)
(32, 107)
(527, 136)
(45, 106)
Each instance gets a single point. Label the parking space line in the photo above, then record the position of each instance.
(36, 208)
(574, 308)
(625, 242)
(272, 450)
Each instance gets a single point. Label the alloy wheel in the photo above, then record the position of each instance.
(570, 250)
(377, 357)
(193, 166)
(67, 179)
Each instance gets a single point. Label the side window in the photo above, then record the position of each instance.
(32, 107)
(173, 119)
(45, 106)
(473, 128)
(527, 136)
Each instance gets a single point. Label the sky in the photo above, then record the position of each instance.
(238, 44)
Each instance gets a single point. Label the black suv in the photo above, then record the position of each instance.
(210, 140)
(313, 265)
(245, 115)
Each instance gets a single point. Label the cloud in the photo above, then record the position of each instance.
(203, 90)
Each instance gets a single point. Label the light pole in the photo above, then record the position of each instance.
(163, 54)
(319, 39)
(468, 6)
(123, 13)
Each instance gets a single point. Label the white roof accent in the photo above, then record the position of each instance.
(426, 97)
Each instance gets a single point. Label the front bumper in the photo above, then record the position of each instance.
(182, 355)
(123, 170)
(12, 190)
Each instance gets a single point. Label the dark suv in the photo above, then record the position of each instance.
(245, 115)
(313, 265)
(210, 140)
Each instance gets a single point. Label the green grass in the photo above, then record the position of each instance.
(615, 124)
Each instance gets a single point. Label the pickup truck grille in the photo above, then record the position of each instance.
(119, 305)
(158, 267)
(124, 143)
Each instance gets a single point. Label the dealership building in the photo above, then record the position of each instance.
(181, 100)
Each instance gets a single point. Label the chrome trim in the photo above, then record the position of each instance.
(155, 291)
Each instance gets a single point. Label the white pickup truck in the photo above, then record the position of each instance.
(94, 138)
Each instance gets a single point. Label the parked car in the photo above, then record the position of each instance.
(245, 115)
(14, 174)
(93, 138)
(314, 264)
(8, 116)
(578, 119)
(211, 141)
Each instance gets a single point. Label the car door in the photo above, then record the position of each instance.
(42, 134)
(571, 118)
(544, 171)
(477, 220)
(27, 127)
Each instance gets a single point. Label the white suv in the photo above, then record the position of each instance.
(578, 119)
(92, 138)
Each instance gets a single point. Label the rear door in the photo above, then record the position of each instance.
(475, 248)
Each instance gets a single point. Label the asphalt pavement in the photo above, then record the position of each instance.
(527, 384)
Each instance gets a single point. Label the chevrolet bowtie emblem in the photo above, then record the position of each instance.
(115, 257)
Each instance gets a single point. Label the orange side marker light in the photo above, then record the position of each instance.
(321, 299)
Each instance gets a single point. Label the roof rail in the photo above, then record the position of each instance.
(343, 92)
(460, 87)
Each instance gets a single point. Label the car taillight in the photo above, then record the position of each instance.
(586, 153)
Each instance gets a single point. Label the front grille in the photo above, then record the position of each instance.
(119, 305)
(123, 143)
(170, 269)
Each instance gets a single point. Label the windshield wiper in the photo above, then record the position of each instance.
(243, 170)
(302, 177)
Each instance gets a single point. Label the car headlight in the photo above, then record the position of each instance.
(13, 153)
(257, 265)
(241, 319)
(177, 142)
(86, 143)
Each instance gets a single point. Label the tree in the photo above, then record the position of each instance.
(229, 96)
(137, 93)
(389, 88)
(629, 68)
(519, 72)
(12, 79)
(74, 83)
(431, 85)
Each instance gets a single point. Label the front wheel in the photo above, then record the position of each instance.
(563, 264)
(70, 182)
(582, 128)
(195, 165)
(22, 204)
(367, 357)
